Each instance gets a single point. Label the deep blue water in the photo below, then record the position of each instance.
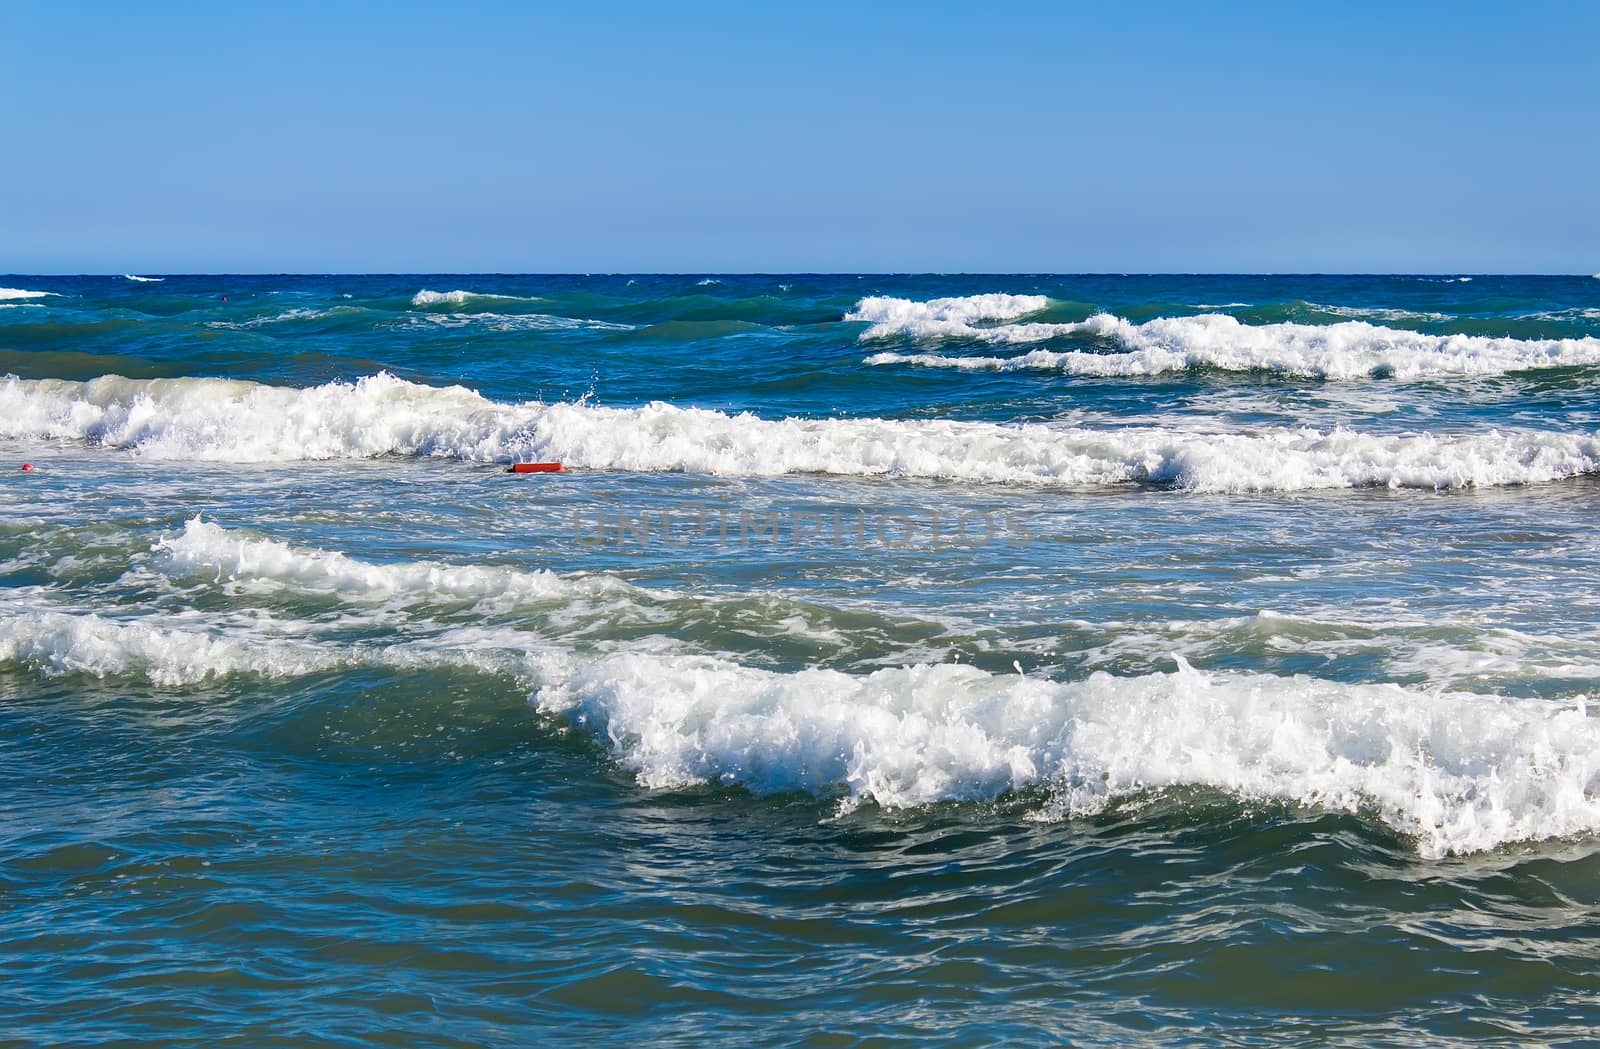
(953, 659)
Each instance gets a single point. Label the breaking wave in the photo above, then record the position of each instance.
(207, 550)
(239, 421)
(944, 317)
(459, 297)
(1460, 772)
(1345, 350)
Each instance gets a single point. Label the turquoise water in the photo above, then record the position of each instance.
(1034, 659)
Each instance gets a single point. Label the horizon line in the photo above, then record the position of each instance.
(809, 273)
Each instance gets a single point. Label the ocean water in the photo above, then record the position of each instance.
(901, 660)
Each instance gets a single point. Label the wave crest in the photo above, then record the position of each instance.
(238, 421)
(1459, 771)
(1346, 350)
(1462, 773)
(459, 297)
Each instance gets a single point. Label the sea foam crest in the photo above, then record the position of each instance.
(942, 317)
(142, 280)
(206, 549)
(459, 297)
(1461, 772)
(239, 421)
(1345, 350)
(23, 293)
(54, 642)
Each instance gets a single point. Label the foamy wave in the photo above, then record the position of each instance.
(22, 293)
(237, 421)
(206, 549)
(516, 322)
(61, 643)
(143, 280)
(1380, 313)
(460, 298)
(1346, 350)
(298, 314)
(944, 317)
(1461, 772)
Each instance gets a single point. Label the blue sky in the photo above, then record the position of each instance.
(699, 137)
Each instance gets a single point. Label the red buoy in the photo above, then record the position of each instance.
(27, 468)
(536, 468)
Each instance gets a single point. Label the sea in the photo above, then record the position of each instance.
(896, 660)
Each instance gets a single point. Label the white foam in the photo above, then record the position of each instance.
(21, 293)
(61, 643)
(238, 421)
(460, 297)
(1461, 772)
(206, 549)
(516, 322)
(1380, 313)
(297, 314)
(1345, 350)
(143, 280)
(943, 317)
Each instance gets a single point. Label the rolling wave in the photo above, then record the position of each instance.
(1345, 350)
(1459, 772)
(425, 298)
(239, 421)
(948, 317)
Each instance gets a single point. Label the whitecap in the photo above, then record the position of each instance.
(1343, 350)
(240, 421)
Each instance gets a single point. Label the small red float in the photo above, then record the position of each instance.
(536, 468)
(27, 468)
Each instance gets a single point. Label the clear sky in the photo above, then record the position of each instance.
(701, 137)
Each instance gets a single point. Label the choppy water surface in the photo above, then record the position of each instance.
(960, 659)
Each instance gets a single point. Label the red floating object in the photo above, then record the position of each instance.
(27, 468)
(536, 468)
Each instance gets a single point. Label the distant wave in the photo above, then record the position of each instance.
(143, 280)
(1380, 313)
(22, 293)
(461, 298)
(956, 316)
(517, 322)
(230, 420)
(1459, 772)
(297, 314)
(1344, 350)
